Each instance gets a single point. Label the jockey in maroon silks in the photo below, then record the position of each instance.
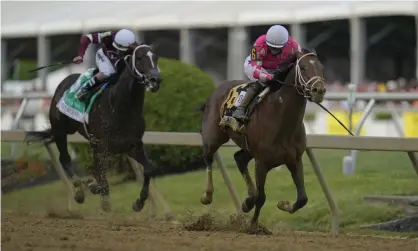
(114, 45)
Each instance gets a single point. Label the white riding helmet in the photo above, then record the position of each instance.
(277, 36)
(123, 39)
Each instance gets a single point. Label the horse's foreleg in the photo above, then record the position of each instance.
(140, 156)
(154, 194)
(99, 174)
(296, 170)
(242, 158)
(138, 173)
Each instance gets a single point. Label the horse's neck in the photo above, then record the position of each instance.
(127, 94)
(292, 106)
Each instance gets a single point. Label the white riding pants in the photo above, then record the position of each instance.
(104, 64)
(249, 68)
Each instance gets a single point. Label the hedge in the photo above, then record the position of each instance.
(171, 109)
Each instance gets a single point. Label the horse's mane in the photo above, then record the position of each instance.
(284, 69)
(121, 64)
(120, 67)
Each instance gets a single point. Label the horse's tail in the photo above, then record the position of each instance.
(201, 107)
(39, 136)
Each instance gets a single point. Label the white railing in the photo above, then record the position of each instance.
(351, 97)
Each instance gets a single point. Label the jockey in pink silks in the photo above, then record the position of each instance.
(268, 53)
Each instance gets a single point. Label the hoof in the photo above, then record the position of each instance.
(284, 205)
(77, 183)
(94, 188)
(88, 181)
(169, 216)
(79, 192)
(138, 205)
(151, 216)
(206, 199)
(247, 205)
(258, 229)
(79, 196)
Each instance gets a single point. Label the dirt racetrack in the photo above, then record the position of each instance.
(32, 232)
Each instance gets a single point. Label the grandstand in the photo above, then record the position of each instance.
(216, 36)
(52, 18)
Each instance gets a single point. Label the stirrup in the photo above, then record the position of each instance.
(242, 117)
(81, 95)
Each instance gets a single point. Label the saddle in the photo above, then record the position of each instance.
(235, 95)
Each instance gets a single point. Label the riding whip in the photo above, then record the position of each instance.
(51, 65)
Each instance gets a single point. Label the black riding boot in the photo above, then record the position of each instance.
(252, 90)
(93, 83)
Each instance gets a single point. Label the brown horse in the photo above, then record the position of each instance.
(275, 134)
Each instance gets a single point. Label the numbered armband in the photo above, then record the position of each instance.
(254, 54)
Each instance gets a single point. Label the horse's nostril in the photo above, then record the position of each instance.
(153, 79)
(315, 90)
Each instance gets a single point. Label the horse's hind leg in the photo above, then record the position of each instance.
(260, 178)
(296, 170)
(212, 138)
(65, 160)
(242, 158)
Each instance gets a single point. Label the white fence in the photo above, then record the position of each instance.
(397, 126)
(322, 124)
(409, 145)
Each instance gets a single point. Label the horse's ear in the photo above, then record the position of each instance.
(306, 50)
(153, 45)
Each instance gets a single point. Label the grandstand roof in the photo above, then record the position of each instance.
(73, 17)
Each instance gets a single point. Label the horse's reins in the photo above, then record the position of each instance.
(306, 91)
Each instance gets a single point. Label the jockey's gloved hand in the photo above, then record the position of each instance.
(78, 60)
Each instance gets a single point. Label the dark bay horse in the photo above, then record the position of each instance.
(116, 123)
(275, 134)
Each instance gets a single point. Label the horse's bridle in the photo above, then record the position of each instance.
(142, 78)
(305, 92)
